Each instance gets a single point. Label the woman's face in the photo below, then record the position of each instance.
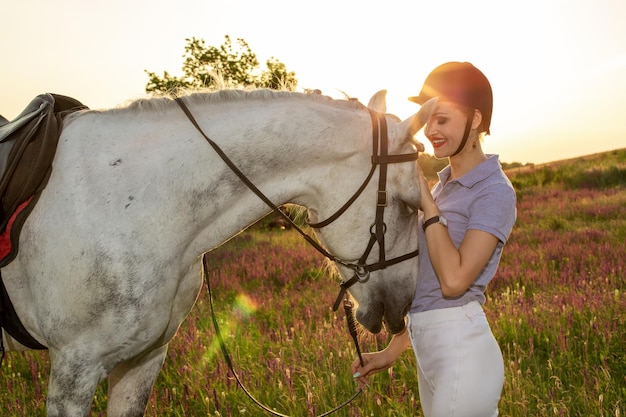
(445, 128)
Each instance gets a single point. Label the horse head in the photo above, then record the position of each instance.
(384, 288)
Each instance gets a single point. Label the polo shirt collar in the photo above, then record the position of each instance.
(477, 174)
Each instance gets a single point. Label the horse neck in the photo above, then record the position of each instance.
(294, 152)
(285, 144)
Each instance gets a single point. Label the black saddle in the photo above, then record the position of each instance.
(27, 147)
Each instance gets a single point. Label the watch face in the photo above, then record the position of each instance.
(443, 221)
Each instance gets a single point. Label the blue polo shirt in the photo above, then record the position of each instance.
(483, 199)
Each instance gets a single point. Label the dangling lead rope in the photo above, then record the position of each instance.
(229, 362)
(1, 348)
(347, 306)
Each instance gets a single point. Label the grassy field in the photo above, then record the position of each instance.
(557, 307)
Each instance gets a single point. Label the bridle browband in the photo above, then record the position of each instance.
(380, 159)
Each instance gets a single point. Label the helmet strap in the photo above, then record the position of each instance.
(468, 127)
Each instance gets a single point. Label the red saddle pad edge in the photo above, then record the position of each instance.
(5, 239)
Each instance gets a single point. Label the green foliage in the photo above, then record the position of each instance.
(605, 170)
(597, 178)
(211, 67)
(277, 76)
(431, 166)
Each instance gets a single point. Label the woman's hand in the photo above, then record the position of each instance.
(379, 361)
(373, 363)
(427, 203)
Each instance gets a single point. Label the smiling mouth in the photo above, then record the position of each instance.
(438, 142)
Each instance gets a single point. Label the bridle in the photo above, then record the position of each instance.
(381, 159)
(361, 269)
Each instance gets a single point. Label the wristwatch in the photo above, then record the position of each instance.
(435, 219)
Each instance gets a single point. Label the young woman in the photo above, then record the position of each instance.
(465, 222)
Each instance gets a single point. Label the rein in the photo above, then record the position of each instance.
(229, 361)
(380, 159)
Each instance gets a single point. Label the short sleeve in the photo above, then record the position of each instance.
(494, 211)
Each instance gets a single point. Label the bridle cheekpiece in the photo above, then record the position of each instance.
(380, 159)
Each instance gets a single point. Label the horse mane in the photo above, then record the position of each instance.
(162, 103)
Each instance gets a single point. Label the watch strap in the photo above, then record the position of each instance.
(432, 220)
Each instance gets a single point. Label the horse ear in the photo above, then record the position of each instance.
(413, 124)
(378, 102)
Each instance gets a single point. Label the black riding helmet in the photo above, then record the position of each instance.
(464, 84)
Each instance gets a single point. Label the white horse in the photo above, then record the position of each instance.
(108, 266)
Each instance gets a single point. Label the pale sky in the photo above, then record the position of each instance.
(557, 67)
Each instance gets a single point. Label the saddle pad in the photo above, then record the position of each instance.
(5, 238)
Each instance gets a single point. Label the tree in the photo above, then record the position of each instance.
(213, 67)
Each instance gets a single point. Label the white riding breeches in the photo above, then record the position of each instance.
(459, 362)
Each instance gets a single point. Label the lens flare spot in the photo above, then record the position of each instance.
(245, 305)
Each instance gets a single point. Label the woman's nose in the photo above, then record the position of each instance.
(428, 130)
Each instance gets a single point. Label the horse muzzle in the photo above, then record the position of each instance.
(374, 318)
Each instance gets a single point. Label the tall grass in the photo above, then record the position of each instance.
(557, 307)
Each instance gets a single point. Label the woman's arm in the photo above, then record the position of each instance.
(456, 269)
